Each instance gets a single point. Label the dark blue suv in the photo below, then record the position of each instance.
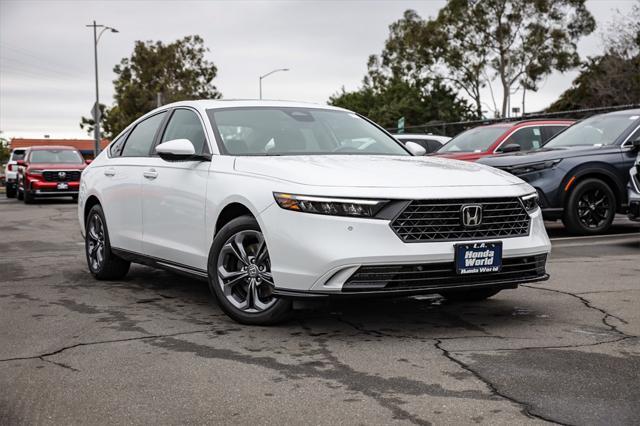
(581, 174)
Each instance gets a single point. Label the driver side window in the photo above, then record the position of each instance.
(529, 138)
(185, 124)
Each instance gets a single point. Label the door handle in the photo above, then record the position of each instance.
(110, 172)
(150, 174)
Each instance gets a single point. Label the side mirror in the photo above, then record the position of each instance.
(21, 163)
(88, 161)
(512, 147)
(176, 150)
(415, 149)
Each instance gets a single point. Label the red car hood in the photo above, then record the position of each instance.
(57, 166)
(465, 156)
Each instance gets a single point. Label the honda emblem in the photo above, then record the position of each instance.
(471, 215)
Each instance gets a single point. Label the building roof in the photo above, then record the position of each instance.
(82, 145)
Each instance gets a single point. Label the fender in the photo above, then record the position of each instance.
(595, 169)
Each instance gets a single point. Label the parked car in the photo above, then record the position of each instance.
(502, 138)
(272, 201)
(49, 171)
(634, 185)
(581, 175)
(430, 143)
(11, 172)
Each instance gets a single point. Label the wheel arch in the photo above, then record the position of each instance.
(601, 171)
(229, 212)
(92, 200)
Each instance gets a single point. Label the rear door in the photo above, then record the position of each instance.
(173, 197)
(122, 187)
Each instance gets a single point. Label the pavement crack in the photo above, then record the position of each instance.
(606, 315)
(100, 342)
(525, 408)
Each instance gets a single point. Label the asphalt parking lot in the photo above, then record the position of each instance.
(155, 348)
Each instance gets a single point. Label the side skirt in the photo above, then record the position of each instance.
(160, 264)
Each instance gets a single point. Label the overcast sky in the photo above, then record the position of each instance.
(46, 52)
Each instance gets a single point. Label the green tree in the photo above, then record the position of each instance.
(470, 44)
(612, 78)
(178, 71)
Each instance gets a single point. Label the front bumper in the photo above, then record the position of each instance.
(40, 188)
(319, 254)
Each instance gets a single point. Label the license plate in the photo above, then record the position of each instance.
(63, 185)
(478, 257)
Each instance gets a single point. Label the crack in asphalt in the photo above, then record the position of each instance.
(525, 408)
(99, 342)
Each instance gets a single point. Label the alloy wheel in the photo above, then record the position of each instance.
(244, 272)
(594, 208)
(95, 242)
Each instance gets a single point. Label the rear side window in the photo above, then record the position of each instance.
(116, 147)
(141, 137)
(18, 154)
(185, 124)
(528, 138)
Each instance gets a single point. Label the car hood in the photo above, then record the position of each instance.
(544, 154)
(374, 171)
(57, 166)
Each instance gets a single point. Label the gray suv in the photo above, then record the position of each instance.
(581, 174)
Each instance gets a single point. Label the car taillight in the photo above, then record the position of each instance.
(10, 167)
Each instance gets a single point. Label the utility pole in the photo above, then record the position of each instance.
(96, 106)
(267, 75)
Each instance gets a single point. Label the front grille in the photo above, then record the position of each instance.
(441, 220)
(54, 175)
(438, 275)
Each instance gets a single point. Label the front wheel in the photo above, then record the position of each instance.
(240, 277)
(591, 208)
(10, 191)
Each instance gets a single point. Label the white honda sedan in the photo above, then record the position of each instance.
(272, 201)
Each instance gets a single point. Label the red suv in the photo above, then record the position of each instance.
(501, 138)
(49, 171)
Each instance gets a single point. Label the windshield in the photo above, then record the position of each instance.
(478, 139)
(55, 156)
(598, 130)
(299, 131)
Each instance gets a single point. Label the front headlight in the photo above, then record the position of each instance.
(531, 167)
(530, 202)
(34, 172)
(329, 205)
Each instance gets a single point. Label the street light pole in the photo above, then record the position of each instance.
(96, 107)
(267, 75)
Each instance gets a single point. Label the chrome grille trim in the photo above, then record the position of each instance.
(440, 220)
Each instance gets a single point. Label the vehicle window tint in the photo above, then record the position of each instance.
(141, 137)
(434, 146)
(116, 147)
(550, 131)
(18, 154)
(185, 124)
(55, 156)
(528, 138)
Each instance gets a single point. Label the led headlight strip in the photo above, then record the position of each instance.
(530, 202)
(329, 205)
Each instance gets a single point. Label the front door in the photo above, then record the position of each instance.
(173, 197)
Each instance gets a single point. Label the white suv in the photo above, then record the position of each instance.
(11, 172)
(272, 201)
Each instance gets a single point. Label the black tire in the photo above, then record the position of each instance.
(111, 267)
(10, 191)
(20, 195)
(590, 209)
(29, 198)
(278, 310)
(470, 295)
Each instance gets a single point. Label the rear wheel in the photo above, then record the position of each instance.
(470, 295)
(10, 191)
(103, 264)
(240, 275)
(591, 208)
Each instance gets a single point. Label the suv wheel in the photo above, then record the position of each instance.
(591, 208)
(10, 191)
(240, 277)
(103, 264)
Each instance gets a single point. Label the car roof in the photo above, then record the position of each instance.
(521, 123)
(635, 111)
(247, 103)
(420, 136)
